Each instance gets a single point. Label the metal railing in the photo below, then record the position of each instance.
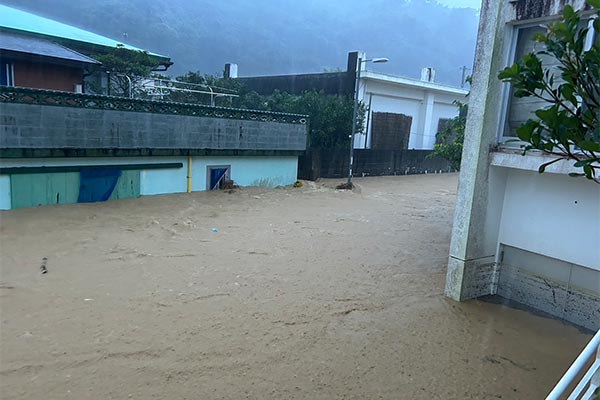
(21, 95)
(588, 386)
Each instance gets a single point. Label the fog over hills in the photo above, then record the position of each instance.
(282, 36)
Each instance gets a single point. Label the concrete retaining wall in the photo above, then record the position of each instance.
(50, 127)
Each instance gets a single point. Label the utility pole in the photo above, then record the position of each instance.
(354, 117)
(359, 64)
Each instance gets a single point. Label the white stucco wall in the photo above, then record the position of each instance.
(552, 214)
(424, 105)
(398, 105)
(440, 111)
(249, 171)
(516, 232)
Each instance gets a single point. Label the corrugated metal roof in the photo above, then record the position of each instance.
(13, 18)
(13, 41)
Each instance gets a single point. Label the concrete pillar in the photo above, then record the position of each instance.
(472, 267)
(425, 121)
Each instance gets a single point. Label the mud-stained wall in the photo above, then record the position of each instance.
(564, 290)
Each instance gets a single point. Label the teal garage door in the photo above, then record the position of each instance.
(128, 185)
(32, 190)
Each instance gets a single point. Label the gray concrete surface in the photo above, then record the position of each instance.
(40, 126)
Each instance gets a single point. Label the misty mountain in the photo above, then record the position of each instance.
(281, 36)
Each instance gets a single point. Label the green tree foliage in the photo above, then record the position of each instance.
(569, 127)
(330, 117)
(450, 140)
(124, 65)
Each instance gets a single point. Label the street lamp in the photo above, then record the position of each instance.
(355, 114)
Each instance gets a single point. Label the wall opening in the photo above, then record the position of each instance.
(217, 176)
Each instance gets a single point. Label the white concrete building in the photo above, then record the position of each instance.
(428, 103)
(531, 238)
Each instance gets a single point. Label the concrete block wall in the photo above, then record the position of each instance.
(52, 127)
(333, 163)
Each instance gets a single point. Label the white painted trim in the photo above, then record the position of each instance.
(531, 162)
(376, 76)
(391, 96)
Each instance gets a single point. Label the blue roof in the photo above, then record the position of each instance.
(13, 41)
(12, 18)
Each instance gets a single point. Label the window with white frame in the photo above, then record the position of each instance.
(519, 110)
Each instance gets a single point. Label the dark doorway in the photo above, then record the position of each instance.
(216, 176)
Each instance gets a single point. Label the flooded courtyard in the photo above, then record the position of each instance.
(290, 293)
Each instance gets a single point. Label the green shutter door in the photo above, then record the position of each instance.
(32, 190)
(128, 185)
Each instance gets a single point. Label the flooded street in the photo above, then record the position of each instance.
(306, 293)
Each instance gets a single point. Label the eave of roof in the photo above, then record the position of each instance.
(15, 19)
(416, 83)
(33, 45)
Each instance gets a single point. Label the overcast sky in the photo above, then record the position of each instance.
(291, 36)
(461, 3)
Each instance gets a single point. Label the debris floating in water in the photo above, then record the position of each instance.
(43, 266)
(345, 186)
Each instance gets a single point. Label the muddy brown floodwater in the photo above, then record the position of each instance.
(307, 293)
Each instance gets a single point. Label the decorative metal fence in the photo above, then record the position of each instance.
(80, 100)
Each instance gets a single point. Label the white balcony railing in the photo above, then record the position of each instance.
(588, 386)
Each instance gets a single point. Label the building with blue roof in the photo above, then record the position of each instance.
(41, 53)
(25, 22)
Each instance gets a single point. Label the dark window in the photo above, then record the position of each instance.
(442, 124)
(7, 74)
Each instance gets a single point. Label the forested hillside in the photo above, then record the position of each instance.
(278, 37)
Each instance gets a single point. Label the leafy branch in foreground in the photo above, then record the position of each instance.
(569, 127)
